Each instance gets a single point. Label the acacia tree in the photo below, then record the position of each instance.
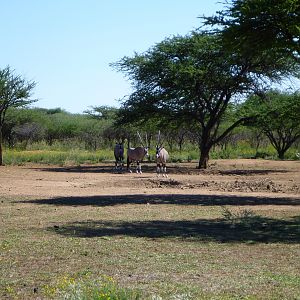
(278, 116)
(265, 32)
(191, 79)
(15, 91)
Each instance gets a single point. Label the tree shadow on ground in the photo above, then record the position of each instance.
(151, 168)
(100, 169)
(80, 169)
(250, 172)
(251, 230)
(166, 199)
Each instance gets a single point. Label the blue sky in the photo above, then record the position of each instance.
(66, 46)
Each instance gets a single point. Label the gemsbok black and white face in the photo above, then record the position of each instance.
(158, 149)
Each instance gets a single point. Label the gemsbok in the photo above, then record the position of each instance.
(162, 156)
(136, 154)
(119, 156)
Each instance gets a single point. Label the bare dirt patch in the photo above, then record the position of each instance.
(234, 176)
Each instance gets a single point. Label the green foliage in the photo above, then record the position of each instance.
(278, 116)
(102, 112)
(265, 31)
(15, 91)
(78, 139)
(173, 80)
(53, 125)
(173, 84)
(242, 217)
(62, 155)
(18, 122)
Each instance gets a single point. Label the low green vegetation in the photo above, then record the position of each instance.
(129, 250)
(53, 136)
(57, 137)
(72, 157)
(80, 156)
(84, 286)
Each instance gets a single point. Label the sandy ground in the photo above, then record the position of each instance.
(234, 177)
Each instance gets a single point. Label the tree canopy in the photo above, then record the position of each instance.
(15, 91)
(278, 116)
(266, 29)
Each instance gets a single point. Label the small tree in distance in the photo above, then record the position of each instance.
(15, 91)
(277, 115)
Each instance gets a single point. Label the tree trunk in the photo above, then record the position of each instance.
(204, 157)
(281, 153)
(258, 140)
(1, 150)
(180, 147)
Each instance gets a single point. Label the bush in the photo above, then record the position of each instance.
(244, 217)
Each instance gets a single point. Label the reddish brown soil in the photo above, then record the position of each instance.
(238, 177)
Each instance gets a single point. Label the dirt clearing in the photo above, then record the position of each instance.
(234, 176)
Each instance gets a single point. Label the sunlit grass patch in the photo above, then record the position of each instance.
(77, 156)
(71, 157)
(288, 280)
(87, 287)
(5, 245)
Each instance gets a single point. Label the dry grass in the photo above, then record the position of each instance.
(163, 244)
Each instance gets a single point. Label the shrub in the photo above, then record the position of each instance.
(244, 217)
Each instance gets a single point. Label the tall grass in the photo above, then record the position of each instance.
(62, 155)
(71, 157)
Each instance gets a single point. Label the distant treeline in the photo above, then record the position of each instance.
(40, 128)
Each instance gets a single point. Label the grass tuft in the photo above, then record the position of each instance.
(85, 287)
